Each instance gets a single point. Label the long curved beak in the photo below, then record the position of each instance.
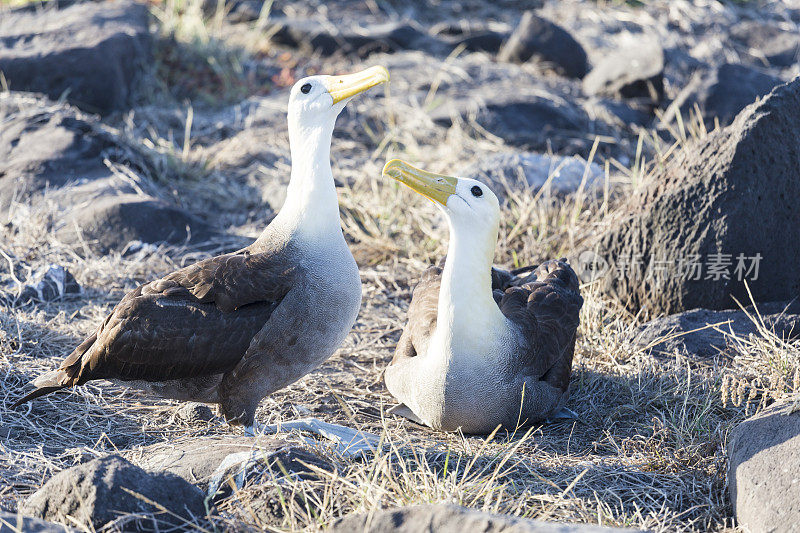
(343, 87)
(435, 187)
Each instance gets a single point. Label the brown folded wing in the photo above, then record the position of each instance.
(545, 304)
(194, 322)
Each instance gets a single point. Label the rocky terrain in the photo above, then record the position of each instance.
(654, 144)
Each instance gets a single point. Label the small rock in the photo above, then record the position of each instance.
(526, 170)
(201, 461)
(764, 472)
(95, 494)
(12, 523)
(195, 413)
(697, 230)
(93, 52)
(688, 332)
(781, 48)
(636, 70)
(445, 518)
(53, 282)
(536, 37)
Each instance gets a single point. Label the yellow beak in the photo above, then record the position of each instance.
(343, 87)
(436, 187)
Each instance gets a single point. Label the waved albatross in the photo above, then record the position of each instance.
(483, 347)
(234, 328)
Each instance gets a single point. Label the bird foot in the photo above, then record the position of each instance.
(234, 466)
(404, 411)
(563, 414)
(347, 441)
(255, 430)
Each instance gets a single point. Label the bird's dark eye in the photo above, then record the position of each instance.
(305, 89)
(476, 191)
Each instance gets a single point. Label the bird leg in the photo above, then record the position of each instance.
(348, 441)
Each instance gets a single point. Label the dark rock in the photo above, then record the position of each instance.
(445, 518)
(632, 71)
(212, 462)
(720, 207)
(733, 88)
(619, 112)
(486, 41)
(474, 37)
(329, 40)
(536, 37)
(111, 222)
(52, 282)
(530, 121)
(95, 494)
(195, 413)
(525, 170)
(722, 93)
(94, 53)
(766, 41)
(764, 473)
(12, 523)
(688, 332)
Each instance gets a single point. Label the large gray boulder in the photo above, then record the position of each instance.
(93, 52)
(764, 474)
(445, 518)
(100, 491)
(722, 212)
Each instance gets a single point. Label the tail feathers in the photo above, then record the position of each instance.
(45, 384)
(68, 375)
(36, 393)
(557, 269)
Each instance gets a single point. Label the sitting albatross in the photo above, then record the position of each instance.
(483, 347)
(234, 328)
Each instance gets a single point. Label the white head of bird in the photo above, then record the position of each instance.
(466, 305)
(314, 104)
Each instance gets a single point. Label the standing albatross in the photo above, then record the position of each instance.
(483, 347)
(234, 328)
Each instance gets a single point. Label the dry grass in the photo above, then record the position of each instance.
(648, 450)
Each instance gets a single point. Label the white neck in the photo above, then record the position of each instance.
(311, 209)
(468, 320)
